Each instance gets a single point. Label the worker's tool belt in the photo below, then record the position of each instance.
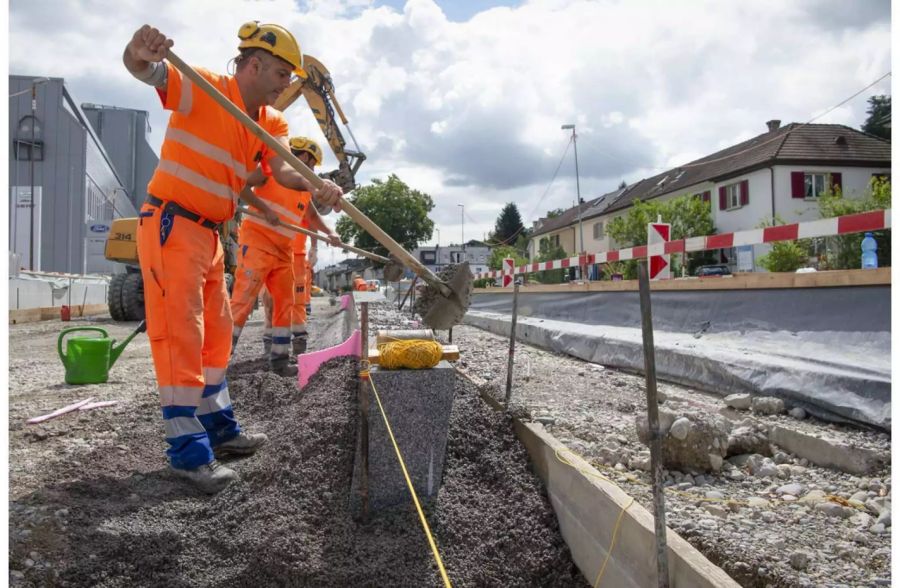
(173, 208)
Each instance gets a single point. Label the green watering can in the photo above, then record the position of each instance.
(87, 359)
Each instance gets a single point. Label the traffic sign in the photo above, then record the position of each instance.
(509, 272)
(659, 264)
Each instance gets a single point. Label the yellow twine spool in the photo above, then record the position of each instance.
(414, 354)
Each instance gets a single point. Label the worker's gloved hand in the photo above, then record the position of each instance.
(148, 44)
(329, 194)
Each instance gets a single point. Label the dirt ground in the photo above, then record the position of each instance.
(92, 502)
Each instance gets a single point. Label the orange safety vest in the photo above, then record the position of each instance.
(298, 245)
(207, 154)
(290, 205)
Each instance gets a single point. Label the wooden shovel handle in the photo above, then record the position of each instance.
(354, 213)
(315, 235)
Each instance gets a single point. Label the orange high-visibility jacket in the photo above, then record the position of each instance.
(298, 245)
(207, 156)
(290, 205)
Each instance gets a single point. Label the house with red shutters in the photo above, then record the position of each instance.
(780, 173)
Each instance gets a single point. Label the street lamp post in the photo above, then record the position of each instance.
(462, 230)
(31, 151)
(578, 191)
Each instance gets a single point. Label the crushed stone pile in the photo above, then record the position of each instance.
(287, 521)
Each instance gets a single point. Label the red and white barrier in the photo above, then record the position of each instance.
(875, 220)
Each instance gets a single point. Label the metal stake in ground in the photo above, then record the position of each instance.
(408, 292)
(364, 410)
(659, 504)
(512, 342)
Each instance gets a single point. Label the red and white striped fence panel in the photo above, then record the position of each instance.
(875, 220)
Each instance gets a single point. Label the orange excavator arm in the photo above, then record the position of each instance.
(318, 89)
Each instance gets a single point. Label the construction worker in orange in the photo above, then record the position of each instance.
(206, 159)
(359, 284)
(265, 258)
(311, 154)
(311, 258)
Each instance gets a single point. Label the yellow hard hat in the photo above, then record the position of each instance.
(301, 144)
(275, 39)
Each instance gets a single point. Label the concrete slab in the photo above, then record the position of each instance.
(417, 404)
(829, 453)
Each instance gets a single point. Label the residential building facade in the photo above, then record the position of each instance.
(436, 258)
(778, 174)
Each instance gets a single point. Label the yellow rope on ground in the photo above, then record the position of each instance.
(434, 549)
(612, 543)
(416, 354)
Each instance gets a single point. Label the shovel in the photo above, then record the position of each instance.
(393, 271)
(447, 301)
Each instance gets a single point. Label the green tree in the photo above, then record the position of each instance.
(785, 256)
(688, 215)
(844, 252)
(508, 226)
(547, 251)
(392, 205)
(498, 254)
(555, 212)
(879, 118)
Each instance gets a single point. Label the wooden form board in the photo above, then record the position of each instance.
(748, 281)
(32, 315)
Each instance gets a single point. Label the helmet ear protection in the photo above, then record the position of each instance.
(248, 29)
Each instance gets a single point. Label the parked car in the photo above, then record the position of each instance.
(718, 269)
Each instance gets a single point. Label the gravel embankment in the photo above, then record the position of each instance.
(765, 526)
(92, 502)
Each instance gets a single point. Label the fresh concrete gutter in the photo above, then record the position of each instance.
(587, 507)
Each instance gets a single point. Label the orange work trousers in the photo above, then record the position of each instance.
(188, 324)
(301, 295)
(256, 268)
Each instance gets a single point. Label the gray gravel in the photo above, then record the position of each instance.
(592, 410)
(99, 508)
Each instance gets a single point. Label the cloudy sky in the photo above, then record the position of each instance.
(464, 100)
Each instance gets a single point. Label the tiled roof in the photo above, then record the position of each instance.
(793, 143)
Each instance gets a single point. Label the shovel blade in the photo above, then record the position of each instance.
(442, 312)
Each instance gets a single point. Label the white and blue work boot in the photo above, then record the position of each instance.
(209, 478)
(242, 444)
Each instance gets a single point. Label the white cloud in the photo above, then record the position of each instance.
(470, 111)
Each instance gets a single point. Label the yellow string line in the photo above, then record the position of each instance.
(434, 549)
(612, 543)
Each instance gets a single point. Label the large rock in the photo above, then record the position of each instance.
(738, 401)
(767, 405)
(749, 439)
(699, 441)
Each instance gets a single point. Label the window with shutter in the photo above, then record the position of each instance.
(814, 184)
(734, 195)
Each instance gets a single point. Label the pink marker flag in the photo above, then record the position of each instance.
(308, 363)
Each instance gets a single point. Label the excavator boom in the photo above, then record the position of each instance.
(318, 89)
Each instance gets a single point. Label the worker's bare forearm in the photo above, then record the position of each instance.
(315, 221)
